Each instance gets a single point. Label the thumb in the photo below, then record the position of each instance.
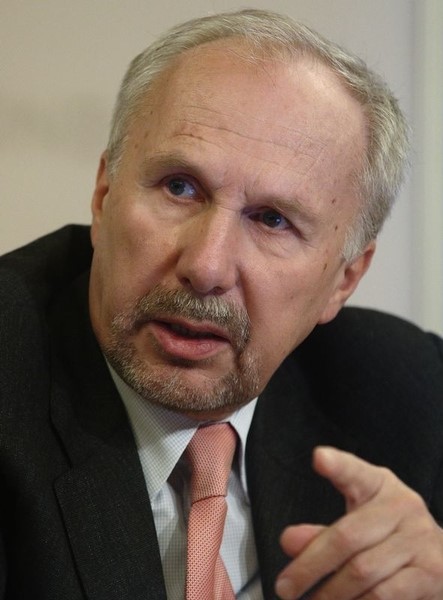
(357, 480)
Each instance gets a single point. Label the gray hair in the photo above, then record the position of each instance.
(278, 37)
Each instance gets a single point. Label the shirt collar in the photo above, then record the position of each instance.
(162, 435)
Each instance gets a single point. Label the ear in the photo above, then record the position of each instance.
(349, 279)
(99, 196)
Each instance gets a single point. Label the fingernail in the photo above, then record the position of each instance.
(284, 588)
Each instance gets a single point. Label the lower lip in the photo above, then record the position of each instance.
(181, 347)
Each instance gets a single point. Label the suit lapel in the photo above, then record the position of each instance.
(283, 487)
(103, 497)
(109, 524)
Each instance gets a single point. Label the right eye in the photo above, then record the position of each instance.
(181, 187)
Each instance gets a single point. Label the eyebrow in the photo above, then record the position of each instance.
(170, 160)
(291, 205)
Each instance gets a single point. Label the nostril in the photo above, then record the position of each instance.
(199, 290)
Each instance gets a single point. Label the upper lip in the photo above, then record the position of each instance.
(197, 327)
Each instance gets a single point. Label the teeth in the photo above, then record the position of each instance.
(188, 333)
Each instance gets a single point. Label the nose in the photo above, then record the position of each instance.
(209, 252)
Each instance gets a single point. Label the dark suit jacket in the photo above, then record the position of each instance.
(75, 516)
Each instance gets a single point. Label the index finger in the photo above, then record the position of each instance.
(357, 480)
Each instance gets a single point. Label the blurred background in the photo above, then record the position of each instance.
(61, 65)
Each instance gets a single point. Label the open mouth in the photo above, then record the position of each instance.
(191, 333)
(188, 340)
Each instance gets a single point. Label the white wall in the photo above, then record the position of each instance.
(427, 296)
(62, 63)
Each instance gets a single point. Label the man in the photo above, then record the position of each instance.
(249, 169)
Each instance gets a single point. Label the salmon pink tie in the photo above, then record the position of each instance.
(210, 454)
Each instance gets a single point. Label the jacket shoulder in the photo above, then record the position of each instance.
(368, 338)
(31, 278)
(38, 270)
(380, 377)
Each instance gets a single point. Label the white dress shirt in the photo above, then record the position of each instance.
(162, 436)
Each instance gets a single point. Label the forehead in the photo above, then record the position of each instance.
(227, 76)
(295, 114)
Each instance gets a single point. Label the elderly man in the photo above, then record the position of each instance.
(250, 166)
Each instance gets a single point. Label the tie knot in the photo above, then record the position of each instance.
(210, 453)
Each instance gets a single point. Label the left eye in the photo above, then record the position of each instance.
(271, 218)
(180, 187)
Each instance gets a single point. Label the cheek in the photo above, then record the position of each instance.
(288, 306)
(272, 313)
(138, 254)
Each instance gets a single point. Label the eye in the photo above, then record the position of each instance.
(271, 218)
(180, 187)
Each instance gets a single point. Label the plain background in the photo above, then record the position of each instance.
(61, 65)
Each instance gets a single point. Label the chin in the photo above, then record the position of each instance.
(189, 389)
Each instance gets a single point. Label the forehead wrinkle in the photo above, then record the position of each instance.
(267, 160)
(300, 161)
(295, 148)
(300, 168)
(248, 118)
(284, 137)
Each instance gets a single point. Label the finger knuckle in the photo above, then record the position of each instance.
(344, 536)
(380, 593)
(406, 503)
(384, 591)
(433, 565)
(416, 502)
(361, 569)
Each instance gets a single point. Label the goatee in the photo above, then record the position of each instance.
(168, 386)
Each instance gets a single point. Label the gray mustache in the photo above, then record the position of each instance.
(163, 303)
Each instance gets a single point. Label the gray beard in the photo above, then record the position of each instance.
(226, 393)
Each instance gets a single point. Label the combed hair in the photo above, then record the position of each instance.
(274, 36)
